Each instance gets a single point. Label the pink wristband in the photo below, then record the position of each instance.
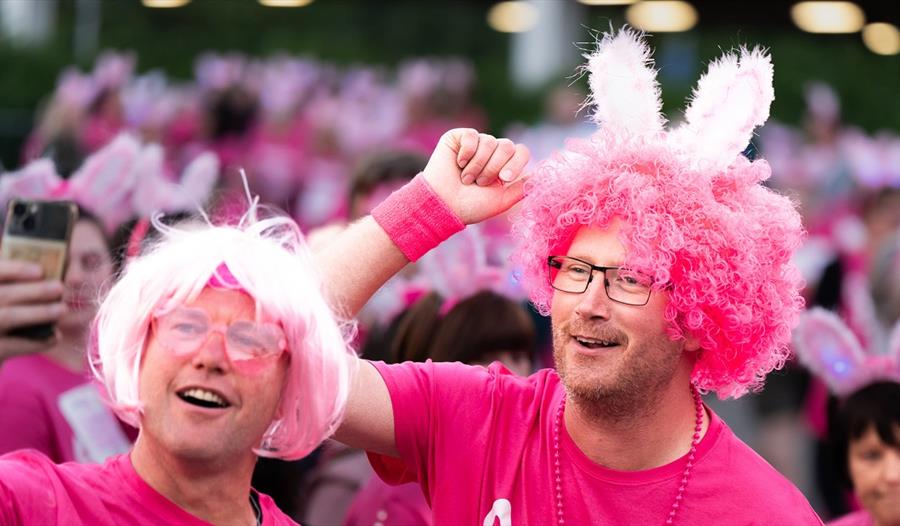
(416, 219)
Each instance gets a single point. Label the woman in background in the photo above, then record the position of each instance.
(49, 401)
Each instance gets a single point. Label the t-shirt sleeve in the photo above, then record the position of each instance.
(26, 493)
(429, 401)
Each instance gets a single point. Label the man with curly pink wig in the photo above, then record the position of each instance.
(664, 265)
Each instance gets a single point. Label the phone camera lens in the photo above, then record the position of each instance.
(19, 209)
(28, 223)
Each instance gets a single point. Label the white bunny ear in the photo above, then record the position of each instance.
(623, 84)
(826, 346)
(154, 192)
(105, 181)
(730, 100)
(151, 188)
(894, 343)
(200, 177)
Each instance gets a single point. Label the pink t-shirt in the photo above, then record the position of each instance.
(34, 490)
(380, 503)
(480, 442)
(57, 412)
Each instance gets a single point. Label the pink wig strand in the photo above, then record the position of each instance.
(716, 239)
(267, 259)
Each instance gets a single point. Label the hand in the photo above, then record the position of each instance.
(26, 299)
(477, 175)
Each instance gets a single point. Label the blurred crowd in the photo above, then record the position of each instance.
(294, 125)
(326, 144)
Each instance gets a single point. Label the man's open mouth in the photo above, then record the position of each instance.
(203, 398)
(595, 343)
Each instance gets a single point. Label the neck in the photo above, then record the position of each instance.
(68, 352)
(217, 492)
(657, 432)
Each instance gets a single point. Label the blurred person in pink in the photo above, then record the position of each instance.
(864, 427)
(50, 403)
(665, 267)
(218, 345)
(867, 437)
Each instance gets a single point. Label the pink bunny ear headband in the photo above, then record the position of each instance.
(832, 352)
(459, 268)
(121, 180)
(696, 216)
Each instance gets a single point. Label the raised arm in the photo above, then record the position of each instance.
(477, 177)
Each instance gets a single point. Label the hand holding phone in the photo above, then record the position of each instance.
(26, 300)
(34, 247)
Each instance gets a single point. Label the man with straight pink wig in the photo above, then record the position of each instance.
(664, 265)
(218, 344)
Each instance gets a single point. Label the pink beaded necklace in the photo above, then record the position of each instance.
(560, 515)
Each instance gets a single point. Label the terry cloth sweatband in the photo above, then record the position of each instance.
(416, 219)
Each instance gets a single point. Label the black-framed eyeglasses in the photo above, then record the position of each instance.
(622, 285)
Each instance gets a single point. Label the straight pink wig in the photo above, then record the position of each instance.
(267, 259)
(696, 216)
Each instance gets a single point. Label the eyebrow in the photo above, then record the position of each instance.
(590, 260)
(194, 313)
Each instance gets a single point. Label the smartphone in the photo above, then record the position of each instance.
(39, 231)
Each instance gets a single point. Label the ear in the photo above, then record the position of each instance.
(730, 100)
(826, 346)
(691, 343)
(623, 84)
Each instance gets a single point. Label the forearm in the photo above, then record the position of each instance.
(356, 264)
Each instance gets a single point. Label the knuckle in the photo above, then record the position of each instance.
(475, 166)
(506, 146)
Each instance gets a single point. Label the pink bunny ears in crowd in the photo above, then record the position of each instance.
(122, 180)
(461, 267)
(833, 353)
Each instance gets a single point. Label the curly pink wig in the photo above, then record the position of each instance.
(695, 215)
(267, 259)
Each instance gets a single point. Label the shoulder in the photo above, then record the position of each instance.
(272, 515)
(34, 490)
(29, 467)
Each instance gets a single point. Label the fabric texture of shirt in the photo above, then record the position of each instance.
(34, 490)
(481, 444)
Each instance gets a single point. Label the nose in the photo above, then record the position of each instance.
(74, 276)
(892, 467)
(212, 354)
(594, 303)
